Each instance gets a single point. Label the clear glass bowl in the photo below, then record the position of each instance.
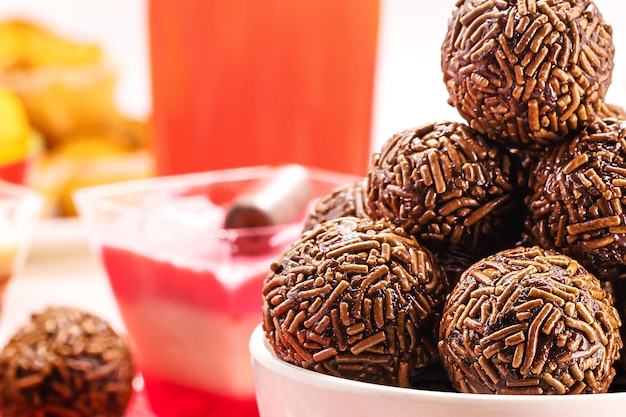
(188, 288)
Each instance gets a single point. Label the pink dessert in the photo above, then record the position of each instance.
(189, 289)
(216, 298)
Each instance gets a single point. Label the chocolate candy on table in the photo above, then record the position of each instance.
(576, 204)
(65, 362)
(529, 321)
(347, 200)
(449, 187)
(527, 73)
(355, 298)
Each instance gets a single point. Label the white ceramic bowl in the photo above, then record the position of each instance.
(285, 390)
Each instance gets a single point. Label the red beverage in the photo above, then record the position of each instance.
(252, 82)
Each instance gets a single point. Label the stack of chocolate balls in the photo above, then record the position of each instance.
(497, 246)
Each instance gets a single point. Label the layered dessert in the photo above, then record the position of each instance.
(186, 258)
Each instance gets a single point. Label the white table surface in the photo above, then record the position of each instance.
(409, 92)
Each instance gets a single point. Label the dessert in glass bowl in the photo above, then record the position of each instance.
(186, 257)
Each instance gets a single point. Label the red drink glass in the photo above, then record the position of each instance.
(189, 299)
(251, 82)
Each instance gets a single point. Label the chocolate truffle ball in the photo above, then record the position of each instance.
(347, 200)
(576, 204)
(527, 73)
(355, 298)
(449, 187)
(65, 362)
(529, 321)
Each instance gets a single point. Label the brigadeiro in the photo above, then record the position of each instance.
(529, 321)
(576, 204)
(65, 362)
(347, 200)
(527, 73)
(449, 187)
(355, 298)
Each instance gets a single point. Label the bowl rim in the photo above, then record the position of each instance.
(172, 182)
(262, 353)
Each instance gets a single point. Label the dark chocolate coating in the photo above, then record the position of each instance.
(527, 74)
(355, 298)
(449, 187)
(529, 321)
(65, 362)
(576, 204)
(347, 200)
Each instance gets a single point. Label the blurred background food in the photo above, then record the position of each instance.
(58, 112)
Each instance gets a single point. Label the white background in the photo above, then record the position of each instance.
(409, 87)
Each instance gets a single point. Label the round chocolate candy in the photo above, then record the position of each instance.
(529, 321)
(355, 298)
(449, 187)
(527, 73)
(576, 203)
(347, 200)
(65, 362)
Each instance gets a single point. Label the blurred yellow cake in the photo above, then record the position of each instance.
(65, 85)
(67, 90)
(92, 158)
